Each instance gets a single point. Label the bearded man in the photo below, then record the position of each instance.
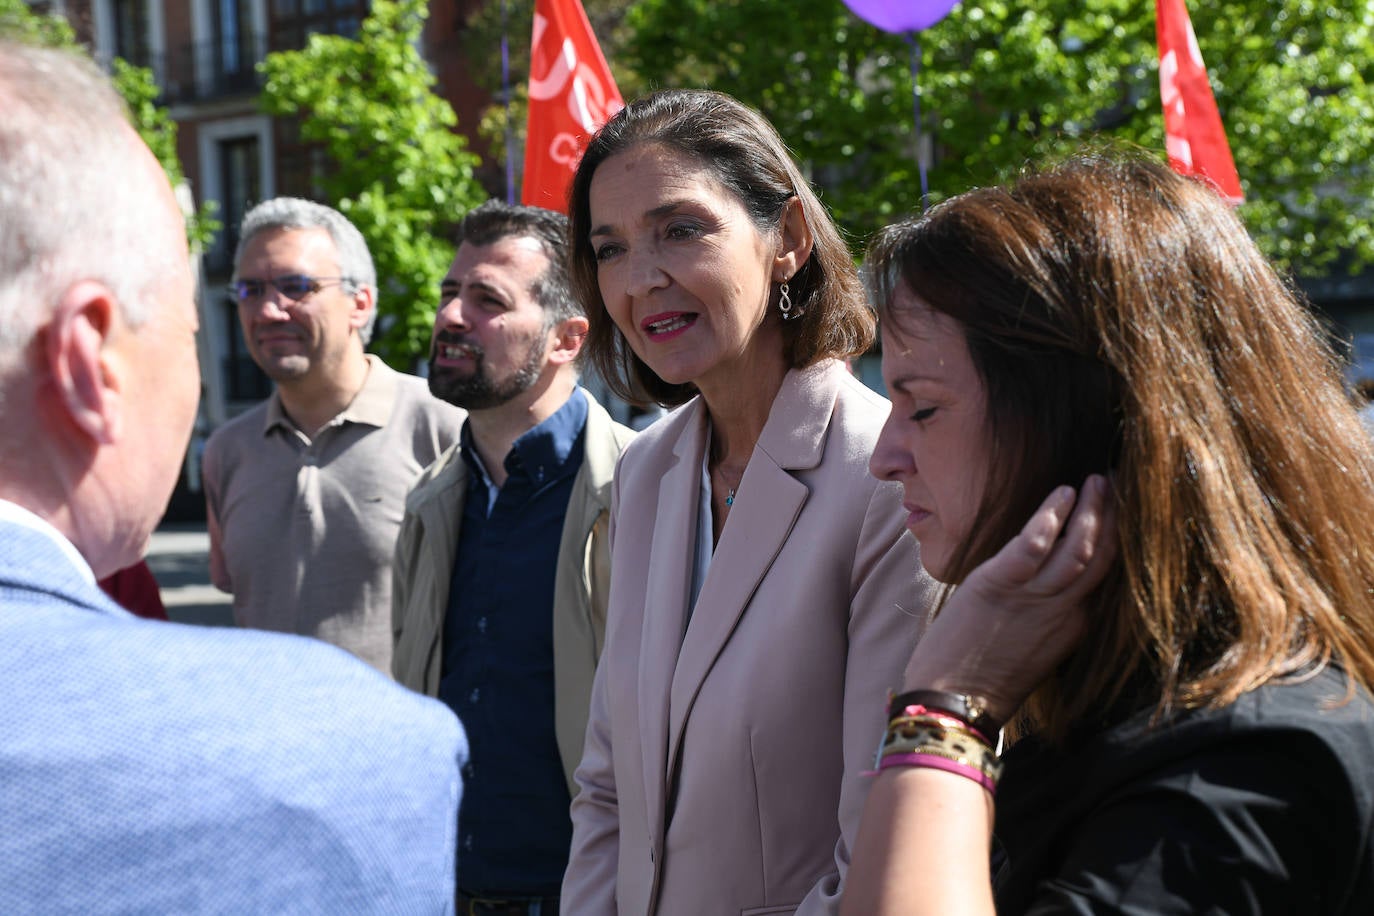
(502, 565)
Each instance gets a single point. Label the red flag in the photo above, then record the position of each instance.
(1193, 135)
(572, 93)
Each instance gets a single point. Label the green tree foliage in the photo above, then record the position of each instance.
(396, 170)
(1004, 82)
(20, 23)
(140, 92)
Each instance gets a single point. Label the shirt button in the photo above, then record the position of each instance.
(481, 624)
(474, 696)
(467, 842)
(467, 771)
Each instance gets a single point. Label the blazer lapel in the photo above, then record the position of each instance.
(666, 590)
(766, 507)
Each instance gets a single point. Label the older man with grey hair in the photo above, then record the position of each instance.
(145, 766)
(305, 492)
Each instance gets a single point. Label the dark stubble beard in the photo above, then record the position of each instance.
(479, 390)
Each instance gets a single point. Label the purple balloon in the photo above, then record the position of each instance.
(901, 15)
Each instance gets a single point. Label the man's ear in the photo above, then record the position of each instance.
(794, 242)
(83, 370)
(567, 339)
(364, 301)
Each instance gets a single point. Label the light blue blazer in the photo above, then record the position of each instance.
(160, 768)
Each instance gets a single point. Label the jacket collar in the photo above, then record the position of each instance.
(31, 559)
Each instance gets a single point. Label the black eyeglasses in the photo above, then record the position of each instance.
(295, 287)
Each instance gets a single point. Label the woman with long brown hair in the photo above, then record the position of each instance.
(1126, 441)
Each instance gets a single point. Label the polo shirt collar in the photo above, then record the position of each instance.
(372, 405)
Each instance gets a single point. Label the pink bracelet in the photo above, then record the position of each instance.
(935, 762)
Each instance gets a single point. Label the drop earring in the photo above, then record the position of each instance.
(785, 303)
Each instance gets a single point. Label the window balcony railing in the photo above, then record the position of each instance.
(204, 71)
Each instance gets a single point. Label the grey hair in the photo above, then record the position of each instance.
(355, 261)
(73, 204)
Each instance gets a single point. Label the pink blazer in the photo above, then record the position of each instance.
(723, 765)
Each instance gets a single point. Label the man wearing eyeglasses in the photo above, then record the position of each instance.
(146, 766)
(305, 491)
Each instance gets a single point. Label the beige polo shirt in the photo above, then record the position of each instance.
(302, 532)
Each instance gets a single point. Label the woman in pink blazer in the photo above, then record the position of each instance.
(764, 596)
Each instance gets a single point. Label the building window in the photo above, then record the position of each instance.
(295, 176)
(294, 21)
(301, 165)
(240, 186)
(235, 53)
(236, 171)
(131, 31)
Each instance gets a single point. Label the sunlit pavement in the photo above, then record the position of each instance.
(179, 557)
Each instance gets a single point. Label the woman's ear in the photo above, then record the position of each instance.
(794, 242)
(80, 365)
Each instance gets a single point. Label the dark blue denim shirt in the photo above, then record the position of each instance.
(514, 831)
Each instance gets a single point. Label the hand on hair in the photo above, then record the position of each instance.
(1021, 613)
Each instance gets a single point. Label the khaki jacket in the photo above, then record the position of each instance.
(424, 563)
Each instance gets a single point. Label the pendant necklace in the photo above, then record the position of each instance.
(730, 496)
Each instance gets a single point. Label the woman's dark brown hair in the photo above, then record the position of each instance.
(744, 153)
(1123, 321)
